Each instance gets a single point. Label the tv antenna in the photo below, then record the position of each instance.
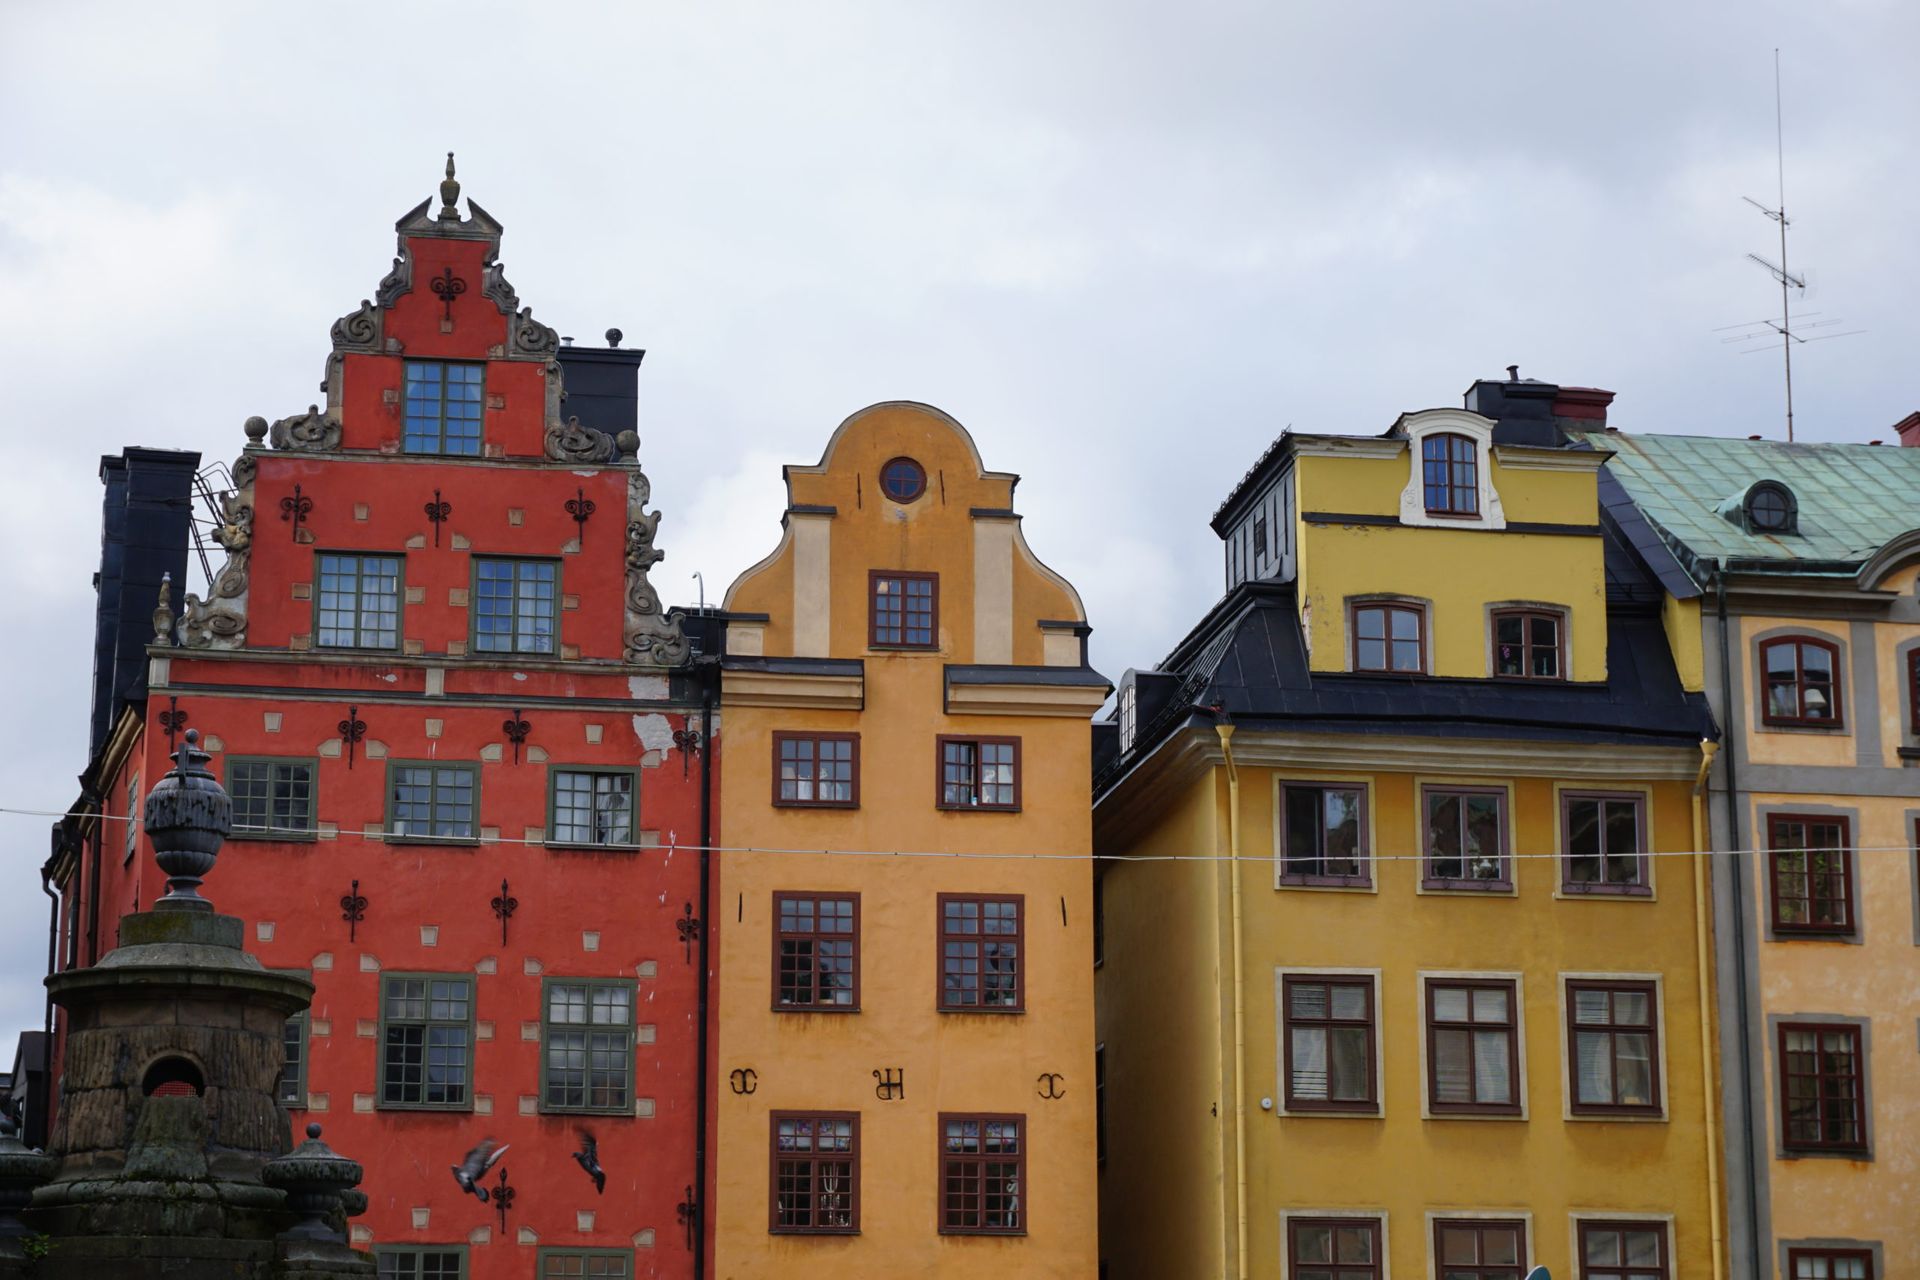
(1790, 327)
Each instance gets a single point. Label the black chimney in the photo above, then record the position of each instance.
(145, 524)
(1521, 408)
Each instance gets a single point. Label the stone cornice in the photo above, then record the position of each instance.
(813, 690)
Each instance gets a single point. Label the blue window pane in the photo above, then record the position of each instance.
(443, 407)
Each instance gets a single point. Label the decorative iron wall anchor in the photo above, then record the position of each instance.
(685, 1211)
(352, 730)
(580, 506)
(687, 741)
(437, 512)
(446, 287)
(1050, 1089)
(688, 927)
(892, 1083)
(743, 1080)
(503, 1200)
(353, 909)
(504, 906)
(516, 730)
(172, 721)
(295, 508)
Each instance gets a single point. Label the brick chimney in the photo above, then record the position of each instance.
(1584, 407)
(1909, 429)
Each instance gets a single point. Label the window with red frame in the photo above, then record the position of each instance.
(905, 610)
(1328, 1043)
(1466, 838)
(1802, 685)
(983, 1167)
(1334, 1248)
(979, 773)
(1526, 644)
(816, 952)
(1811, 870)
(1603, 843)
(1614, 1047)
(1389, 637)
(1829, 1264)
(1450, 471)
(1470, 1249)
(1323, 834)
(1623, 1251)
(1913, 689)
(1823, 1095)
(1473, 1050)
(981, 967)
(816, 770)
(816, 1172)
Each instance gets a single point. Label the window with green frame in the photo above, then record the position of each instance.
(591, 806)
(426, 1041)
(421, 1261)
(443, 407)
(291, 1091)
(586, 1264)
(273, 798)
(586, 1038)
(515, 606)
(428, 800)
(357, 605)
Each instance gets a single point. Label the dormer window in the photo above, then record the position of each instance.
(1389, 637)
(1129, 717)
(1770, 508)
(443, 407)
(1450, 474)
(1527, 644)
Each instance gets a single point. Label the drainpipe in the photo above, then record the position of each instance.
(1701, 976)
(1238, 1100)
(1736, 875)
(46, 1069)
(706, 982)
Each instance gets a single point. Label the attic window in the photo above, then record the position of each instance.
(1770, 508)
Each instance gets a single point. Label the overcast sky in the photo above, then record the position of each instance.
(1125, 244)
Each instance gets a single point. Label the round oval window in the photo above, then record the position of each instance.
(1768, 508)
(903, 480)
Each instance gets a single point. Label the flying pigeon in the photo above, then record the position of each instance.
(469, 1171)
(588, 1157)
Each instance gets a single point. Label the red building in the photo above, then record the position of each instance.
(463, 740)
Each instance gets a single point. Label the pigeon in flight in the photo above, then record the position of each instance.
(469, 1171)
(588, 1157)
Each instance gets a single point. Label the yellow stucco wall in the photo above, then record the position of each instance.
(1681, 621)
(952, 1062)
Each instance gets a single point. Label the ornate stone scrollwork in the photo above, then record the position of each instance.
(654, 637)
(220, 621)
(530, 337)
(497, 291)
(398, 281)
(163, 612)
(358, 330)
(311, 432)
(572, 442)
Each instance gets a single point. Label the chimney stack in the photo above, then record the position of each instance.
(1909, 429)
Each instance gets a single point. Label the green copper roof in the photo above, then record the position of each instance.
(1852, 498)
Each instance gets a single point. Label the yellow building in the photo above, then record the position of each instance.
(1400, 985)
(1795, 573)
(905, 1041)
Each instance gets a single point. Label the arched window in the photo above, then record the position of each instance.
(1802, 682)
(1450, 471)
(1771, 509)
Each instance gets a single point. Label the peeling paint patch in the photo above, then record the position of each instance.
(647, 688)
(654, 731)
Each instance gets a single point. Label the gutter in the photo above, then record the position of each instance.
(700, 1052)
(1704, 995)
(1736, 873)
(1238, 1101)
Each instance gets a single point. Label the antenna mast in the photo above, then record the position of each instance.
(1779, 214)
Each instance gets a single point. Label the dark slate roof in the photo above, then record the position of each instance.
(999, 673)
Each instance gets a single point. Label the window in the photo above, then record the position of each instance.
(979, 773)
(432, 801)
(816, 770)
(1494, 1249)
(816, 1171)
(816, 952)
(1812, 874)
(1334, 1248)
(585, 1264)
(587, 1046)
(1450, 472)
(1823, 1096)
(1829, 1264)
(426, 1037)
(1526, 644)
(1129, 717)
(1100, 1103)
(1260, 534)
(1801, 688)
(514, 606)
(906, 610)
(1913, 688)
(1466, 838)
(980, 946)
(903, 480)
(420, 1262)
(983, 1165)
(592, 806)
(1099, 919)
(1613, 1047)
(1387, 637)
(358, 604)
(291, 1091)
(271, 797)
(1771, 508)
(130, 838)
(1473, 1046)
(1328, 1043)
(1323, 834)
(443, 407)
(1623, 1251)
(1601, 844)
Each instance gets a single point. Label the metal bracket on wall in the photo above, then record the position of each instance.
(447, 286)
(437, 512)
(1050, 1089)
(172, 721)
(687, 742)
(353, 909)
(892, 1083)
(743, 1080)
(516, 729)
(352, 730)
(295, 508)
(504, 906)
(503, 1200)
(685, 1211)
(688, 927)
(580, 507)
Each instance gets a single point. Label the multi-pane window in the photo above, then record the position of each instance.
(816, 955)
(905, 610)
(1334, 1248)
(1823, 1095)
(443, 407)
(585, 1264)
(1622, 1251)
(587, 1048)
(816, 1171)
(1526, 644)
(1389, 637)
(358, 603)
(1613, 1046)
(1129, 716)
(420, 1262)
(983, 1165)
(592, 806)
(1327, 1041)
(1323, 834)
(291, 1090)
(979, 773)
(1474, 1249)
(130, 837)
(1913, 689)
(271, 797)
(1801, 684)
(1466, 838)
(515, 606)
(1603, 843)
(433, 801)
(821, 770)
(1822, 1263)
(1473, 1046)
(981, 968)
(1450, 474)
(903, 479)
(426, 1052)
(1811, 870)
